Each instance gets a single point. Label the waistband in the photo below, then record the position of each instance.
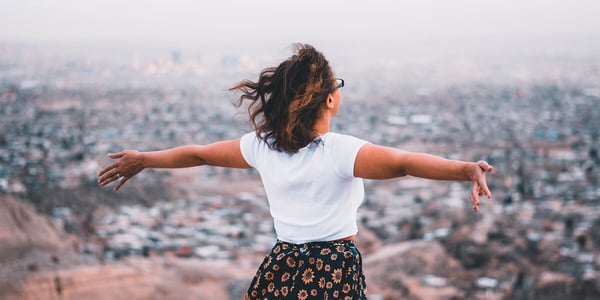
(320, 244)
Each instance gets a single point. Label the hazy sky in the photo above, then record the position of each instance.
(279, 20)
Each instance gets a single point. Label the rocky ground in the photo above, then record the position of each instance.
(39, 261)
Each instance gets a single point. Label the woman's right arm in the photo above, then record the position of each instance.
(128, 163)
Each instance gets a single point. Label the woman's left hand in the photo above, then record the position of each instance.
(128, 164)
(480, 188)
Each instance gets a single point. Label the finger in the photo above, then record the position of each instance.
(106, 169)
(109, 174)
(475, 194)
(481, 180)
(473, 203)
(121, 183)
(475, 190)
(484, 188)
(108, 179)
(113, 165)
(485, 167)
(482, 191)
(116, 155)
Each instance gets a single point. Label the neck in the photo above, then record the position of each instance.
(322, 125)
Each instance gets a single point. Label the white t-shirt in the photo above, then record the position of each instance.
(312, 194)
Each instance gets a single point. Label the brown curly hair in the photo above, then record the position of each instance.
(288, 99)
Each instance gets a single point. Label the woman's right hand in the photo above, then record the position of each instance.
(128, 163)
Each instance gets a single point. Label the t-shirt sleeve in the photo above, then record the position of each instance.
(345, 150)
(249, 144)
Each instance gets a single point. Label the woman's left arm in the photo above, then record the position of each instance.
(379, 162)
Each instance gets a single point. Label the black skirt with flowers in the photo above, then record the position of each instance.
(316, 270)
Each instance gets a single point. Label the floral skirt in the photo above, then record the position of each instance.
(315, 270)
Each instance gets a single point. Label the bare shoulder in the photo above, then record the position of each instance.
(224, 154)
(378, 162)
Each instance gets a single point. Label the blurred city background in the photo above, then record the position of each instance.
(516, 84)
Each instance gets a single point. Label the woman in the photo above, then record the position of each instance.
(312, 177)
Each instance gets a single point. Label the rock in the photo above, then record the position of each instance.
(23, 230)
(138, 278)
(396, 271)
(367, 241)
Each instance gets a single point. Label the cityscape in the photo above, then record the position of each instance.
(536, 119)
